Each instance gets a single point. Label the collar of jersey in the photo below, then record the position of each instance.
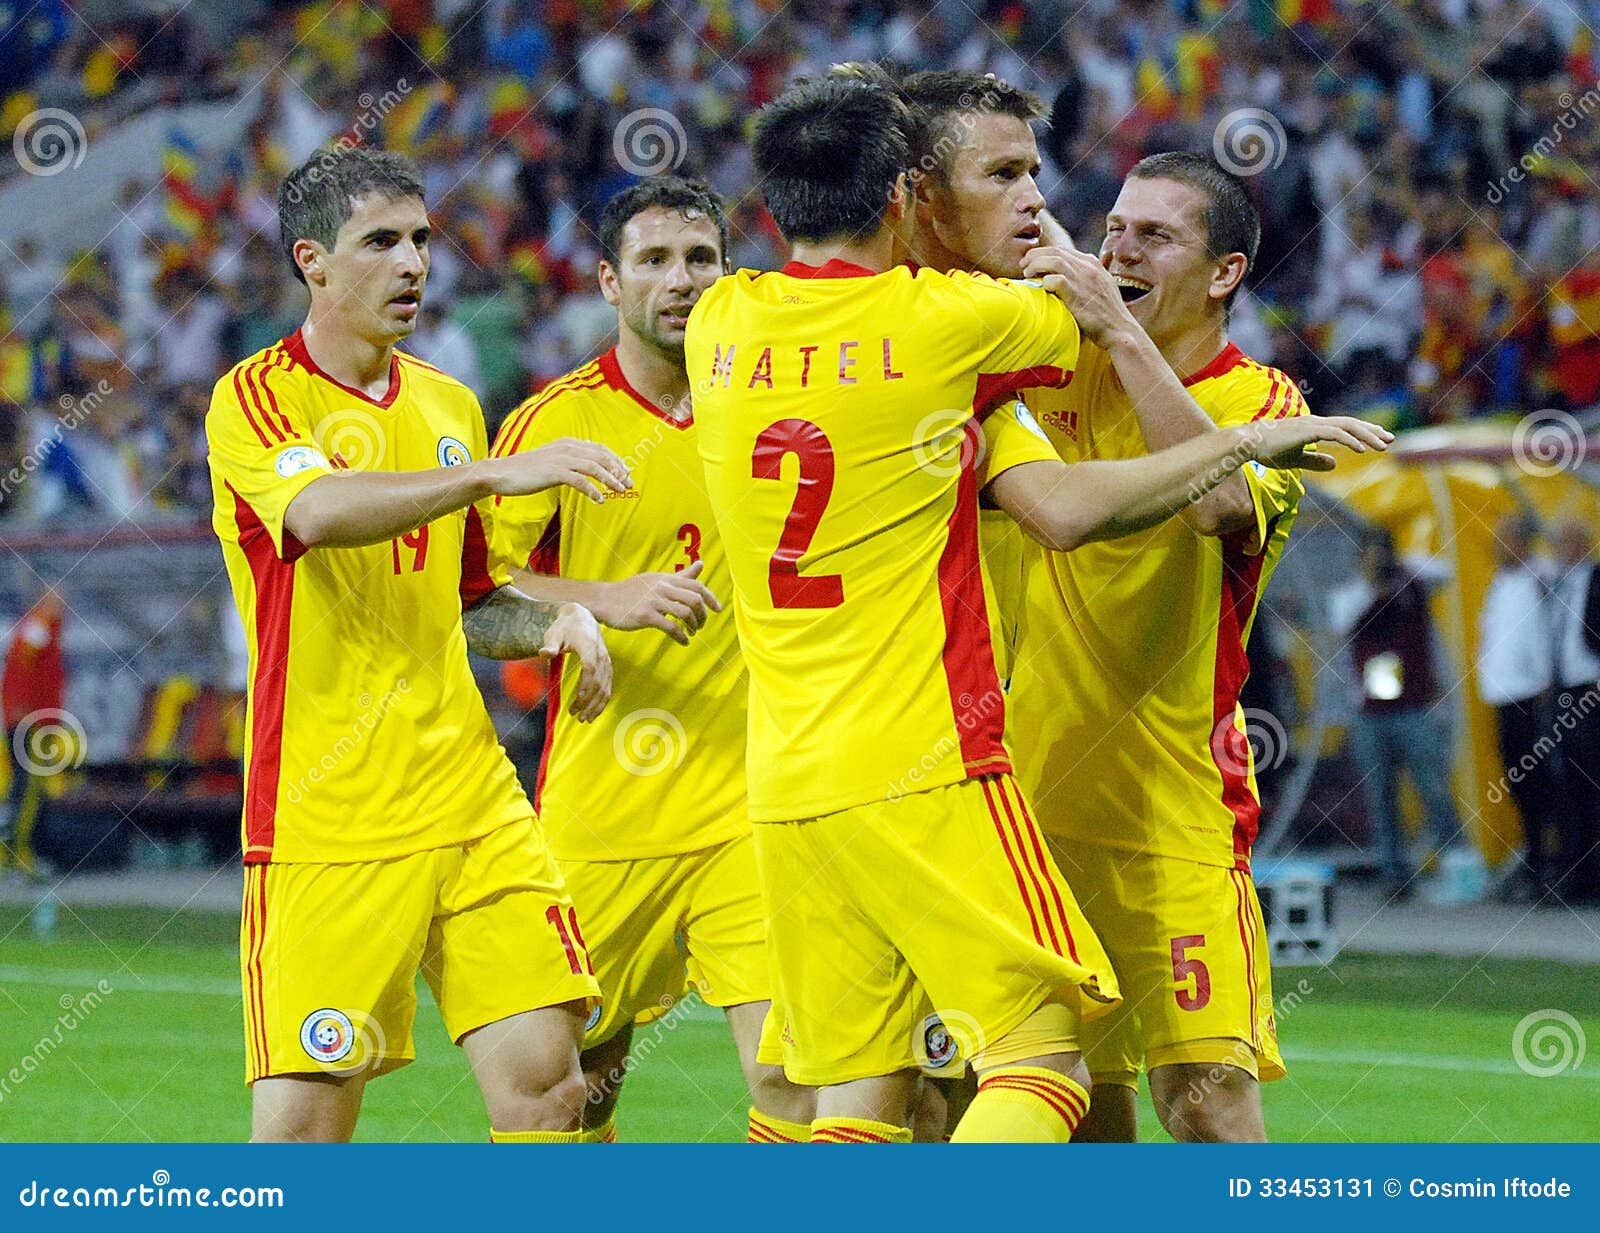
(296, 347)
(611, 370)
(831, 268)
(1229, 357)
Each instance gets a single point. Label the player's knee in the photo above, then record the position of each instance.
(773, 1094)
(1208, 1104)
(1112, 1116)
(540, 1103)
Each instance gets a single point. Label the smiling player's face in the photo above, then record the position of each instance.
(664, 262)
(1155, 247)
(376, 271)
(984, 206)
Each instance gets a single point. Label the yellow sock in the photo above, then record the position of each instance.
(857, 1130)
(765, 1128)
(1023, 1104)
(542, 1136)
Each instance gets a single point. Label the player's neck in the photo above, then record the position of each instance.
(1194, 348)
(660, 378)
(348, 358)
(930, 252)
(875, 252)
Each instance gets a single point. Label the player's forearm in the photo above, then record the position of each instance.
(1168, 415)
(349, 509)
(506, 624)
(1065, 506)
(557, 590)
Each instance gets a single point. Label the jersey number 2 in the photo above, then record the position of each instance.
(811, 447)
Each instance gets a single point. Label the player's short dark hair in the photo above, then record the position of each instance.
(688, 197)
(946, 99)
(318, 197)
(828, 152)
(1232, 224)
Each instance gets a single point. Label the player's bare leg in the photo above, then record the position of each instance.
(604, 1067)
(527, 1068)
(940, 1105)
(305, 1108)
(1200, 1103)
(885, 1098)
(770, 1090)
(1113, 1115)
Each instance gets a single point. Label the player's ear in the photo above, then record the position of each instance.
(309, 256)
(608, 283)
(1229, 273)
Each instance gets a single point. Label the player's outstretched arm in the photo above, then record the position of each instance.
(506, 624)
(1167, 413)
(1064, 506)
(676, 604)
(348, 509)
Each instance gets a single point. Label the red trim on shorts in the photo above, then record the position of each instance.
(1247, 937)
(1005, 844)
(273, 578)
(1044, 868)
(1230, 750)
(968, 651)
(1033, 874)
(255, 1011)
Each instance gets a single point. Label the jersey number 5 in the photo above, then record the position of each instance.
(1184, 968)
(814, 452)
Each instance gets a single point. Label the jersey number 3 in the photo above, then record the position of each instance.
(814, 452)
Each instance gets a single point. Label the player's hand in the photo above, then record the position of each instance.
(1290, 444)
(676, 604)
(1085, 286)
(584, 465)
(575, 632)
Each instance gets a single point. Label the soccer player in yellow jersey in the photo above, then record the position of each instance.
(839, 404)
(1125, 718)
(384, 829)
(646, 807)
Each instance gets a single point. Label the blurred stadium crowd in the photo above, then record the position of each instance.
(1425, 171)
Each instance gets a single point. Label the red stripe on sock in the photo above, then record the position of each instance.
(1058, 1096)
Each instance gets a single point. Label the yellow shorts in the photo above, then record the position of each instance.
(943, 898)
(329, 953)
(1191, 954)
(662, 925)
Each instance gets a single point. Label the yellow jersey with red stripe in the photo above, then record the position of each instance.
(1126, 721)
(839, 417)
(661, 771)
(367, 736)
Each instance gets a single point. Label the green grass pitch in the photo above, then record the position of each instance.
(1378, 1049)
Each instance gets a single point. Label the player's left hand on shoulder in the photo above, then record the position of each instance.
(575, 632)
(1080, 280)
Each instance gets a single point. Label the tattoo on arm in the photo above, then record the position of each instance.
(506, 624)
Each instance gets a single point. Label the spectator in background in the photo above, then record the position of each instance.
(1400, 724)
(32, 686)
(1516, 665)
(1577, 608)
